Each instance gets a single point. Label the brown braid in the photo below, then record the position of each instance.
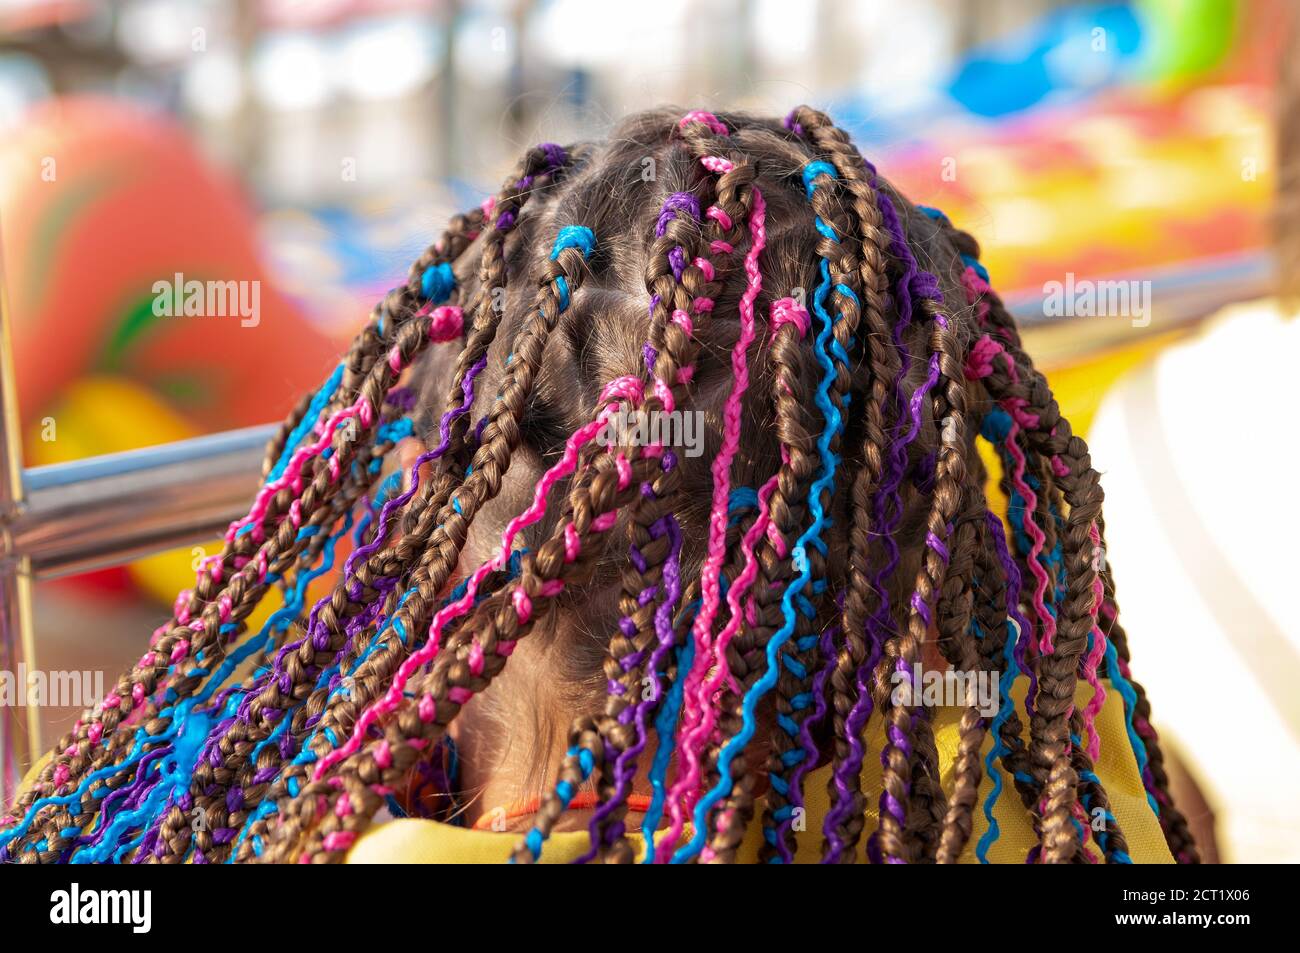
(1057, 670)
(991, 612)
(861, 601)
(797, 432)
(954, 608)
(674, 351)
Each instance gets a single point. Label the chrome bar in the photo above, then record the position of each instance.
(107, 510)
(19, 737)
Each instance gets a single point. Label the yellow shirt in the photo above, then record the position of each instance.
(416, 841)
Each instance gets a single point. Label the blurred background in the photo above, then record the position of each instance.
(317, 147)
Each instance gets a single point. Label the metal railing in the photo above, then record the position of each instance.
(103, 511)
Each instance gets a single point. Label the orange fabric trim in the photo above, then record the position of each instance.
(639, 803)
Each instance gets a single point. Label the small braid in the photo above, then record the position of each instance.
(954, 611)
(788, 509)
(800, 660)
(865, 598)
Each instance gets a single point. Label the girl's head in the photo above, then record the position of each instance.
(698, 489)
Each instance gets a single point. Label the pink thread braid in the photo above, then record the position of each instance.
(981, 358)
(710, 120)
(717, 543)
(362, 409)
(708, 655)
(697, 733)
(720, 671)
(1092, 661)
(982, 355)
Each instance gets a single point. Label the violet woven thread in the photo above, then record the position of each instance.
(665, 636)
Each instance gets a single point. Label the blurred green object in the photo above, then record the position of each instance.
(1186, 37)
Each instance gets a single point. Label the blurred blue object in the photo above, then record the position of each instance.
(1070, 52)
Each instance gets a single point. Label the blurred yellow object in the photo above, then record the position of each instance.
(103, 414)
(107, 414)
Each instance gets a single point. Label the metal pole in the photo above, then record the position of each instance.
(107, 510)
(18, 739)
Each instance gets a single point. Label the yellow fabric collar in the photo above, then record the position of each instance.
(412, 841)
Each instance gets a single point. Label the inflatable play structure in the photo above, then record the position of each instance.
(102, 207)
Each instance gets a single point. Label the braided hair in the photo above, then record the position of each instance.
(719, 618)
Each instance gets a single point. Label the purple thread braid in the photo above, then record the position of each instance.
(677, 261)
(806, 740)
(555, 155)
(625, 763)
(555, 158)
(887, 507)
(888, 803)
(152, 844)
(894, 735)
(444, 438)
(129, 796)
(887, 503)
(850, 771)
(381, 531)
(677, 202)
